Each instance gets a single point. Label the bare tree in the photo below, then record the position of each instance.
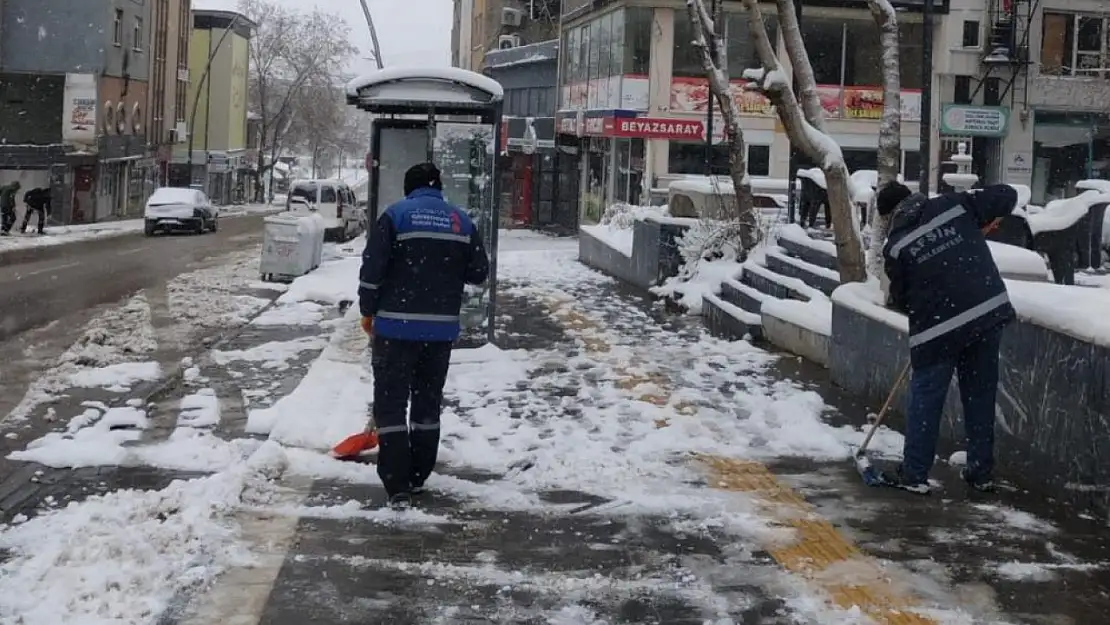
(288, 50)
(709, 41)
(804, 121)
(890, 128)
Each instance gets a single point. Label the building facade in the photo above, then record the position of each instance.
(74, 102)
(171, 27)
(539, 180)
(215, 156)
(480, 26)
(634, 97)
(1026, 85)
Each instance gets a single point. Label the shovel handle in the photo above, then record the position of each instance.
(885, 408)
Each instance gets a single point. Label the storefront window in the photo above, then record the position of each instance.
(738, 42)
(605, 44)
(861, 159)
(1067, 148)
(688, 157)
(911, 166)
(826, 35)
(571, 58)
(637, 39)
(583, 54)
(864, 59)
(594, 41)
(630, 171)
(597, 179)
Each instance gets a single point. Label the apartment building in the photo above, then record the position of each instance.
(73, 110)
(215, 156)
(1026, 84)
(169, 81)
(483, 25)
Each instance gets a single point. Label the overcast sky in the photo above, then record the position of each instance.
(410, 32)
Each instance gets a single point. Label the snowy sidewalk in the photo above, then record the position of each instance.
(610, 464)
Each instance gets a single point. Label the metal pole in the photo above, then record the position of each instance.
(709, 97)
(792, 175)
(373, 34)
(925, 149)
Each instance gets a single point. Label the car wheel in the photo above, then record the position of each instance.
(148, 228)
(215, 223)
(201, 228)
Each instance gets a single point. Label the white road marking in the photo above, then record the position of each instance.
(36, 272)
(128, 252)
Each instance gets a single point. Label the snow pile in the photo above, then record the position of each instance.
(119, 377)
(1062, 214)
(1017, 262)
(118, 335)
(297, 313)
(709, 255)
(212, 297)
(60, 235)
(274, 355)
(334, 281)
(200, 410)
(617, 225)
(121, 557)
(93, 438)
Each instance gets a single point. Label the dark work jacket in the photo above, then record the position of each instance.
(941, 271)
(417, 259)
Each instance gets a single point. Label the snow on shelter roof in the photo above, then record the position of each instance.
(449, 86)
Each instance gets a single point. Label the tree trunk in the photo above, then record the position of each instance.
(890, 128)
(804, 126)
(706, 38)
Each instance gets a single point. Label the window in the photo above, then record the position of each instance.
(605, 45)
(616, 44)
(137, 34)
(739, 45)
(637, 39)
(687, 58)
(911, 166)
(863, 57)
(961, 93)
(992, 91)
(971, 34)
(117, 28)
(861, 159)
(911, 51)
(1075, 45)
(759, 160)
(327, 195)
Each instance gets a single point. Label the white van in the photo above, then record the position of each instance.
(334, 201)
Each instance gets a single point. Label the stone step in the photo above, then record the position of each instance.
(744, 296)
(809, 251)
(766, 281)
(820, 278)
(729, 321)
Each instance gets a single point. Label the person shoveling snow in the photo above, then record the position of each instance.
(943, 277)
(417, 260)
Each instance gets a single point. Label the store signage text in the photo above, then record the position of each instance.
(649, 128)
(979, 121)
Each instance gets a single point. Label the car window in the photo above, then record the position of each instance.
(327, 195)
(306, 191)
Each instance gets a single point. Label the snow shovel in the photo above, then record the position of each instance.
(867, 471)
(355, 445)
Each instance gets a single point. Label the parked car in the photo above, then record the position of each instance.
(172, 209)
(334, 201)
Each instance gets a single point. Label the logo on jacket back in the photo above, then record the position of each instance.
(456, 223)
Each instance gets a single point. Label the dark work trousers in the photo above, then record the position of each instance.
(7, 219)
(41, 210)
(976, 368)
(404, 370)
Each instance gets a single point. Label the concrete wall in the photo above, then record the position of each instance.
(31, 108)
(654, 254)
(1053, 430)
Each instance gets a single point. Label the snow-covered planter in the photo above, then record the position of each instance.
(635, 244)
(709, 252)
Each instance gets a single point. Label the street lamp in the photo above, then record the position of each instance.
(373, 34)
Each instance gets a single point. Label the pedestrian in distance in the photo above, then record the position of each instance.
(943, 277)
(417, 260)
(37, 201)
(7, 207)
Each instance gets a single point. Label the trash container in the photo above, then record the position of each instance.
(289, 246)
(319, 227)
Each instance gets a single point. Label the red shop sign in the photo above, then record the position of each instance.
(657, 128)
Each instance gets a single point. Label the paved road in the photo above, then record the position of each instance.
(37, 292)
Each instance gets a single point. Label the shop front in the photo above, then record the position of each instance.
(613, 160)
(533, 170)
(1068, 147)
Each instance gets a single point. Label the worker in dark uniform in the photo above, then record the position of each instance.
(944, 278)
(417, 260)
(37, 201)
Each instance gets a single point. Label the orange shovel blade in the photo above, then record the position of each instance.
(356, 444)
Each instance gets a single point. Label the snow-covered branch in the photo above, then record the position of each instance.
(804, 122)
(710, 43)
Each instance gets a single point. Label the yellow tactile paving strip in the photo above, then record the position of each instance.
(819, 553)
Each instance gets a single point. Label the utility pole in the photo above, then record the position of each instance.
(792, 175)
(373, 34)
(709, 95)
(925, 150)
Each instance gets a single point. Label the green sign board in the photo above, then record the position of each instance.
(974, 121)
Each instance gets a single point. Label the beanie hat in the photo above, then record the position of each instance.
(422, 175)
(890, 196)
